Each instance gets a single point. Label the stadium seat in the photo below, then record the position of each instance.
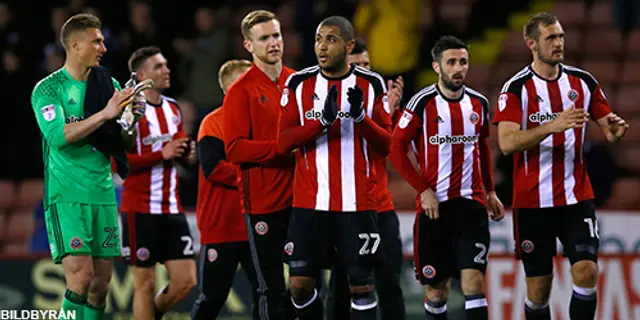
(624, 195)
(503, 71)
(601, 14)
(633, 44)
(455, 13)
(426, 17)
(570, 13)
(29, 194)
(626, 101)
(7, 194)
(605, 43)
(631, 72)
(573, 43)
(514, 47)
(19, 226)
(478, 77)
(606, 72)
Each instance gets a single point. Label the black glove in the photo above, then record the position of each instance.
(355, 96)
(330, 110)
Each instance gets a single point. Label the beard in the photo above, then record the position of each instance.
(336, 63)
(269, 59)
(450, 85)
(550, 60)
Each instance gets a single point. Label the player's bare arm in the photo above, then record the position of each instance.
(512, 139)
(77, 131)
(613, 127)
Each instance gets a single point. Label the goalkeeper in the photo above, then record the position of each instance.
(79, 197)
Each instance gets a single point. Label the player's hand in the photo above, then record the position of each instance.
(330, 110)
(569, 119)
(115, 104)
(394, 93)
(174, 149)
(355, 98)
(192, 156)
(429, 204)
(617, 126)
(495, 206)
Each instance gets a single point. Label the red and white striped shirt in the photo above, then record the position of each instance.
(334, 171)
(451, 140)
(152, 186)
(554, 172)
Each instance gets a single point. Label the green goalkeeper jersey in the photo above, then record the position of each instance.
(74, 172)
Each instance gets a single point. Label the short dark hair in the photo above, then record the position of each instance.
(345, 26)
(78, 22)
(359, 48)
(446, 43)
(532, 28)
(140, 56)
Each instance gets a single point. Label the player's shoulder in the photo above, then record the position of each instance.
(475, 94)
(287, 71)
(296, 78)
(49, 86)
(422, 98)
(171, 100)
(212, 124)
(374, 78)
(582, 74)
(517, 81)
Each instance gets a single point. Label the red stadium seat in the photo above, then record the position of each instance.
(626, 101)
(30, 193)
(503, 71)
(570, 14)
(426, 16)
(601, 14)
(633, 44)
(514, 47)
(606, 72)
(624, 195)
(573, 43)
(7, 193)
(20, 226)
(603, 43)
(631, 72)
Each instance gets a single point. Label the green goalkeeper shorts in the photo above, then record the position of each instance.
(82, 229)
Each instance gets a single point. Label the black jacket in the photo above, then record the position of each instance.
(106, 139)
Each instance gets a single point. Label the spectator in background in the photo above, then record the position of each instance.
(201, 58)
(627, 14)
(142, 31)
(58, 16)
(9, 31)
(391, 29)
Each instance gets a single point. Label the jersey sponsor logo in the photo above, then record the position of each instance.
(150, 140)
(212, 255)
(474, 118)
(429, 271)
(284, 99)
(288, 248)
(542, 117)
(48, 112)
(527, 246)
(143, 254)
(447, 139)
(262, 228)
(573, 95)
(404, 121)
(502, 101)
(76, 243)
(316, 115)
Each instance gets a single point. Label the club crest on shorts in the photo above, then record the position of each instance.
(288, 248)
(76, 243)
(527, 246)
(262, 228)
(212, 254)
(142, 254)
(429, 271)
(474, 118)
(573, 95)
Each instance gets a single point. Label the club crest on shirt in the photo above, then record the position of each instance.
(502, 102)
(284, 100)
(404, 121)
(474, 118)
(573, 95)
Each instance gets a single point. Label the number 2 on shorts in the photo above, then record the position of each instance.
(367, 239)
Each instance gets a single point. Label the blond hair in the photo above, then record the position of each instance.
(229, 67)
(253, 18)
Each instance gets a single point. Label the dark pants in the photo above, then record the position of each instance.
(387, 277)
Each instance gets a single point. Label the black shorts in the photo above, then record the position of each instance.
(327, 238)
(458, 240)
(150, 238)
(535, 232)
